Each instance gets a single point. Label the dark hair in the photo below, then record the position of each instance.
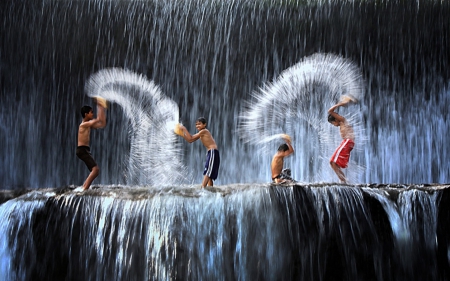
(85, 110)
(331, 118)
(283, 147)
(202, 120)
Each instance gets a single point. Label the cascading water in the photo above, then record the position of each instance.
(296, 104)
(413, 218)
(254, 69)
(210, 57)
(241, 232)
(154, 157)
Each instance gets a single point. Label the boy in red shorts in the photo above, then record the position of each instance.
(341, 156)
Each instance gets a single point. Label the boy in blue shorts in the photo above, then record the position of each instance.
(212, 157)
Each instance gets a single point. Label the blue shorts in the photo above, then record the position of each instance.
(212, 164)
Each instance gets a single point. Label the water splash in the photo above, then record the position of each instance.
(297, 103)
(154, 157)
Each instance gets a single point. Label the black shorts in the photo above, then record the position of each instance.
(84, 153)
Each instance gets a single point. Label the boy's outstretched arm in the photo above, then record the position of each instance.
(187, 136)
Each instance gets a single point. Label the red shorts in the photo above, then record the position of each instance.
(342, 153)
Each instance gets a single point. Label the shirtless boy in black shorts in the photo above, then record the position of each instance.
(84, 133)
(276, 166)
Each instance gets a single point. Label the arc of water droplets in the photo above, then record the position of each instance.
(305, 91)
(154, 155)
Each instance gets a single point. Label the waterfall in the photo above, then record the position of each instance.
(294, 104)
(254, 69)
(210, 58)
(239, 232)
(154, 154)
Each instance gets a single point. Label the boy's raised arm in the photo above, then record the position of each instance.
(335, 114)
(290, 150)
(100, 121)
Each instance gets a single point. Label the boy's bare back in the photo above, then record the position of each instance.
(277, 164)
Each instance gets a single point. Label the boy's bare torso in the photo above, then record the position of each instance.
(207, 139)
(84, 135)
(346, 131)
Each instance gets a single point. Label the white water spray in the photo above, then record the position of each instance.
(155, 157)
(296, 104)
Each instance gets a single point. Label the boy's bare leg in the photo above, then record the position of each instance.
(207, 181)
(338, 172)
(94, 173)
